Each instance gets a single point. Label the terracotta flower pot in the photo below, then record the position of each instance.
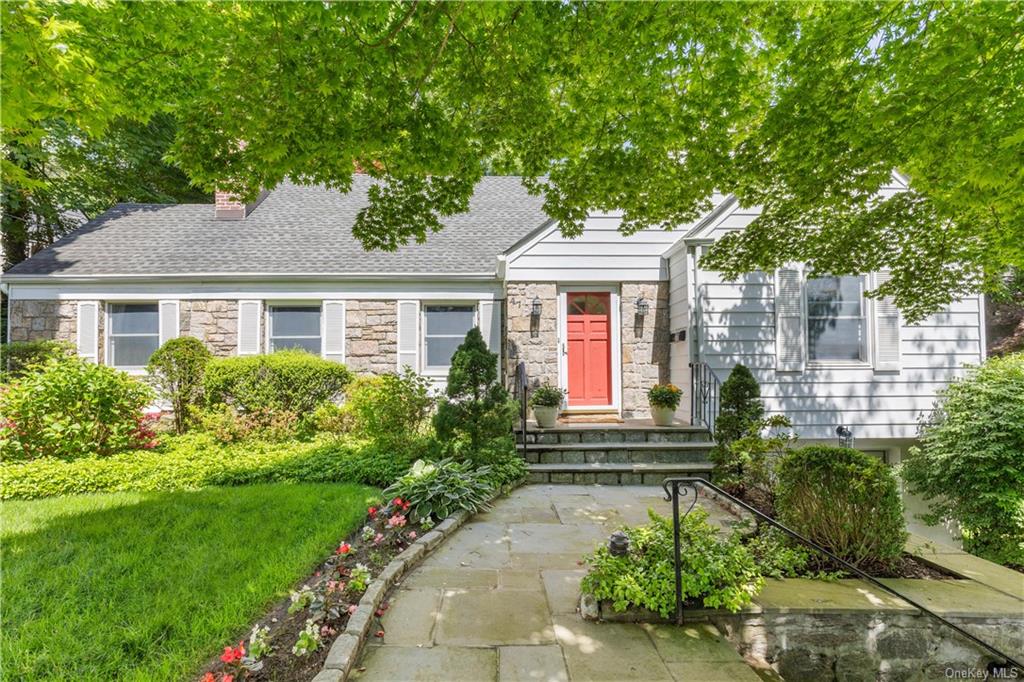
(662, 416)
(546, 416)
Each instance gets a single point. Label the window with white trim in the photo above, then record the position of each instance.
(133, 334)
(295, 326)
(444, 330)
(836, 321)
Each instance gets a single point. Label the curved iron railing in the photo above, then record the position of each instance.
(704, 390)
(673, 484)
(521, 385)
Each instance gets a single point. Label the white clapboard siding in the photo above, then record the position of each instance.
(169, 326)
(600, 254)
(250, 314)
(409, 335)
(679, 321)
(87, 332)
(334, 330)
(490, 325)
(737, 324)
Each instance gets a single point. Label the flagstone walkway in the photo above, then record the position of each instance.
(498, 601)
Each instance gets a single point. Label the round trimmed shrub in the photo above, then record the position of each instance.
(844, 500)
(970, 464)
(388, 407)
(71, 408)
(287, 380)
(17, 357)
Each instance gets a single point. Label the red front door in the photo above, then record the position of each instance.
(589, 347)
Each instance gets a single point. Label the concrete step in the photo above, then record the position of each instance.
(619, 435)
(615, 474)
(617, 453)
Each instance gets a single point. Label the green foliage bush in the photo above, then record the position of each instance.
(437, 490)
(287, 380)
(547, 395)
(474, 420)
(740, 405)
(16, 357)
(844, 500)
(970, 464)
(72, 408)
(718, 571)
(228, 425)
(388, 407)
(740, 455)
(177, 370)
(197, 460)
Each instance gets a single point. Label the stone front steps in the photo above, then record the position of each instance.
(617, 455)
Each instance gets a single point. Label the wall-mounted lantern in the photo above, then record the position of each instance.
(642, 306)
(536, 308)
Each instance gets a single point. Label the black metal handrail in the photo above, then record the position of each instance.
(672, 485)
(704, 393)
(520, 392)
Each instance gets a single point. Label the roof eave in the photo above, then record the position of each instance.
(250, 277)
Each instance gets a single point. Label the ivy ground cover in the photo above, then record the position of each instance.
(144, 586)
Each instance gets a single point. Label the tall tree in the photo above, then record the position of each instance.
(804, 108)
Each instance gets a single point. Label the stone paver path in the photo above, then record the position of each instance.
(498, 601)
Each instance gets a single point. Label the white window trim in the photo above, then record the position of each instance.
(616, 331)
(422, 336)
(268, 306)
(866, 350)
(108, 333)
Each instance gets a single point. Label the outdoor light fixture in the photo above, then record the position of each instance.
(845, 436)
(536, 307)
(642, 306)
(618, 544)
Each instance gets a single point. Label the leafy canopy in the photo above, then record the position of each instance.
(805, 108)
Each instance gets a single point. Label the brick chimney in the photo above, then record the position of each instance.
(228, 207)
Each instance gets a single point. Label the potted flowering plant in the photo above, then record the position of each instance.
(664, 399)
(545, 401)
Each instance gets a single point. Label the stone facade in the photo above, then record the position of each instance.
(371, 336)
(645, 345)
(43, 320)
(528, 339)
(214, 322)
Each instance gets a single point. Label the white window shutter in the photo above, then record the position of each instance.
(87, 334)
(409, 335)
(334, 330)
(887, 328)
(249, 313)
(168, 321)
(789, 321)
(490, 325)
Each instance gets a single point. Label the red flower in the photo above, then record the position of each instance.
(397, 501)
(373, 512)
(380, 633)
(208, 677)
(227, 678)
(343, 548)
(233, 655)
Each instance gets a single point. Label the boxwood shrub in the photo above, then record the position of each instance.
(289, 380)
(16, 357)
(197, 460)
(845, 500)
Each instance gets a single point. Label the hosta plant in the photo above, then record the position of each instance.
(439, 489)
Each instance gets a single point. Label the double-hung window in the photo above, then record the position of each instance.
(836, 321)
(134, 334)
(444, 330)
(295, 326)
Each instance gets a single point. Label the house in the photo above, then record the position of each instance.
(604, 315)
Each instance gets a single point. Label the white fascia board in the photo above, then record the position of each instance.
(255, 277)
(527, 242)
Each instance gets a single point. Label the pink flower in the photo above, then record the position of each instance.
(380, 633)
(227, 678)
(412, 535)
(396, 521)
(352, 609)
(378, 539)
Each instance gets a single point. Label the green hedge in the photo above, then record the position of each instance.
(291, 380)
(18, 356)
(197, 460)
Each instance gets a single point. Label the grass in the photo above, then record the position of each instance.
(148, 586)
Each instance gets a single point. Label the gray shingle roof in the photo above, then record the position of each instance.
(295, 230)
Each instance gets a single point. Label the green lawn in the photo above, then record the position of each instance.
(147, 586)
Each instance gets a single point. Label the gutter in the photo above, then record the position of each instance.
(7, 280)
